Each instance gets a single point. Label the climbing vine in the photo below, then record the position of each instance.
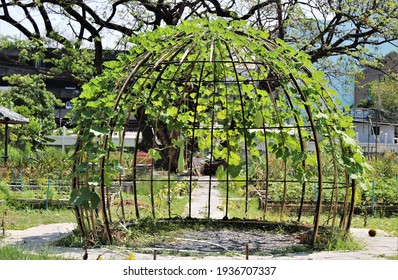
(223, 91)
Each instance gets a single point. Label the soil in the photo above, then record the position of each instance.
(222, 241)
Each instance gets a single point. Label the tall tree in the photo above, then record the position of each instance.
(82, 31)
(320, 28)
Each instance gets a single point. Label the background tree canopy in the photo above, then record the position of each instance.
(28, 96)
(348, 29)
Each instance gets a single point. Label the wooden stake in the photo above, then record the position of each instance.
(3, 226)
(247, 250)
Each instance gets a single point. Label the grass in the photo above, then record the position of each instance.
(338, 241)
(20, 219)
(40, 193)
(14, 252)
(237, 203)
(291, 250)
(387, 224)
(148, 231)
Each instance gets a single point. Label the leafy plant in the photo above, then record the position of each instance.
(184, 84)
(85, 197)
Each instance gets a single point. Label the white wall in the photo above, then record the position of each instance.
(70, 140)
(365, 134)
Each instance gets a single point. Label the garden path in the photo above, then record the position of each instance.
(200, 199)
(36, 237)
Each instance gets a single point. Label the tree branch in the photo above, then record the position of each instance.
(7, 18)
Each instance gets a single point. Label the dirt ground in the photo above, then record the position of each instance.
(222, 241)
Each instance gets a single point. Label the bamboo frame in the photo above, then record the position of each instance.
(150, 70)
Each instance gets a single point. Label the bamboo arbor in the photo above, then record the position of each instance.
(225, 91)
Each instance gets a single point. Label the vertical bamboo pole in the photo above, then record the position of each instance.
(319, 160)
(352, 205)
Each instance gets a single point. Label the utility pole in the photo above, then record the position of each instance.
(378, 115)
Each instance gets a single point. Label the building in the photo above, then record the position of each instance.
(62, 87)
(372, 134)
(371, 128)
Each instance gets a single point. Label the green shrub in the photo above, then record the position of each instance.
(5, 191)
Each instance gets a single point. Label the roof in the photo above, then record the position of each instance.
(10, 117)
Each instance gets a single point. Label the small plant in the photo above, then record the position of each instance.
(337, 241)
(5, 192)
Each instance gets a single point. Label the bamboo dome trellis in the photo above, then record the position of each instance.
(225, 92)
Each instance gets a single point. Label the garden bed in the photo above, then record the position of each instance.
(228, 241)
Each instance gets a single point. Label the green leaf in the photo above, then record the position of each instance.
(82, 167)
(351, 133)
(222, 115)
(258, 119)
(358, 158)
(178, 143)
(241, 180)
(234, 170)
(172, 111)
(181, 160)
(154, 154)
(234, 158)
(82, 197)
(201, 108)
(94, 200)
(220, 173)
(254, 152)
(300, 174)
(85, 198)
(74, 195)
(318, 75)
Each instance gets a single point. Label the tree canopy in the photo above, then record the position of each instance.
(29, 97)
(320, 28)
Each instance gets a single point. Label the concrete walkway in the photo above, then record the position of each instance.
(377, 248)
(37, 237)
(200, 199)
